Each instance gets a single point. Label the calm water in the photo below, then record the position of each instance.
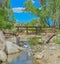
(20, 58)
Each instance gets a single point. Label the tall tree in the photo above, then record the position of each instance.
(55, 11)
(6, 15)
(42, 13)
(49, 9)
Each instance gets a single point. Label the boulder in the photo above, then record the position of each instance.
(2, 45)
(2, 41)
(2, 37)
(53, 48)
(39, 55)
(11, 48)
(12, 57)
(12, 39)
(3, 56)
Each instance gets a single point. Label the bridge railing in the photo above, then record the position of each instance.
(37, 29)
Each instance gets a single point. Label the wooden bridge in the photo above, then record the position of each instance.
(49, 31)
(37, 29)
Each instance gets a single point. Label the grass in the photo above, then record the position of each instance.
(36, 62)
(34, 41)
(57, 30)
(57, 39)
(58, 56)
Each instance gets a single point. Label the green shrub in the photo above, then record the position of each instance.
(57, 39)
(33, 41)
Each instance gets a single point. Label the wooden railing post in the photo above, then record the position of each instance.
(26, 30)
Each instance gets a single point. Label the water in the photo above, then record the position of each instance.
(20, 58)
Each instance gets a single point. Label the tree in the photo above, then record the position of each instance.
(32, 9)
(55, 11)
(6, 16)
(49, 9)
(10, 17)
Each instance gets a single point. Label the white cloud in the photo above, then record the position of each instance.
(33, 1)
(18, 9)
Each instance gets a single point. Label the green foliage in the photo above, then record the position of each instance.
(6, 16)
(33, 22)
(31, 8)
(59, 26)
(55, 11)
(2, 23)
(57, 30)
(9, 25)
(51, 10)
(57, 39)
(7, 3)
(59, 57)
(37, 22)
(43, 13)
(33, 41)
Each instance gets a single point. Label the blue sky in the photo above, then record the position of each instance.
(20, 16)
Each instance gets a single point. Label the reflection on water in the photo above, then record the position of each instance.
(20, 58)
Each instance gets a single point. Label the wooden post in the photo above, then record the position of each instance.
(26, 30)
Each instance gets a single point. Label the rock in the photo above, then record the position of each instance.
(2, 37)
(58, 35)
(12, 39)
(2, 41)
(52, 48)
(2, 45)
(39, 55)
(18, 47)
(12, 57)
(25, 46)
(11, 48)
(29, 53)
(3, 56)
(39, 42)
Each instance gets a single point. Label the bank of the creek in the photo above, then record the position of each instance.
(40, 51)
